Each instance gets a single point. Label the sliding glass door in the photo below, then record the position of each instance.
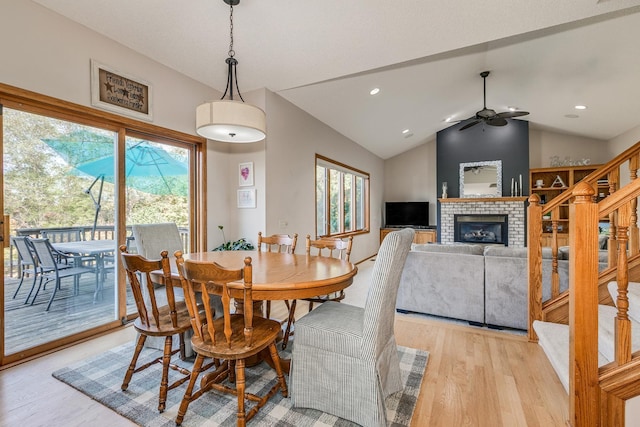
(61, 194)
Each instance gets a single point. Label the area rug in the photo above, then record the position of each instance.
(100, 377)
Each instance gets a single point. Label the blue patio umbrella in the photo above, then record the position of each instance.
(148, 167)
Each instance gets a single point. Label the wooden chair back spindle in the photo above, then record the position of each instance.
(232, 338)
(148, 310)
(277, 243)
(155, 318)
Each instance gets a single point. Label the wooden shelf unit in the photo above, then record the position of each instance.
(422, 235)
(547, 192)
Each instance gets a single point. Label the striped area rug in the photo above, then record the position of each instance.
(100, 377)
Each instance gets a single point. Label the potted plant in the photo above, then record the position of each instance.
(238, 245)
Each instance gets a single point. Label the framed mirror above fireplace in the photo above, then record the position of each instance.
(481, 179)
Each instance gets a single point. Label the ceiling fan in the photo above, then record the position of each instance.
(489, 116)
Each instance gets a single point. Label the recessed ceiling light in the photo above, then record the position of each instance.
(512, 108)
(580, 107)
(448, 119)
(374, 91)
(406, 131)
(571, 116)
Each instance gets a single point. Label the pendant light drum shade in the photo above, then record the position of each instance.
(230, 121)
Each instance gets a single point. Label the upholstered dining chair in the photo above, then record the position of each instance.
(350, 353)
(282, 243)
(156, 319)
(326, 246)
(232, 338)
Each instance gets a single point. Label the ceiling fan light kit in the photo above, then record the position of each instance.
(228, 120)
(489, 116)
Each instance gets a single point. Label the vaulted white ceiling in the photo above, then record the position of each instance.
(425, 56)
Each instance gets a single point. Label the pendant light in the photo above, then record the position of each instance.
(229, 120)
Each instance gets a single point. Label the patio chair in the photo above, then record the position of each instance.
(232, 338)
(156, 319)
(55, 266)
(345, 358)
(62, 235)
(282, 243)
(27, 261)
(327, 246)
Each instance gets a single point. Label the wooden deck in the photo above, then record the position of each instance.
(30, 325)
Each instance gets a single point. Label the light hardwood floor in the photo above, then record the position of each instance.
(474, 377)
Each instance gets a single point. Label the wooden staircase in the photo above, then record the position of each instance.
(600, 379)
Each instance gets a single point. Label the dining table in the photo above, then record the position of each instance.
(96, 249)
(277, 276)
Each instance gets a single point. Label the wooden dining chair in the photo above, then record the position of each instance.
(282, 243)
(156, 319)
(232, 338)
(326, 246)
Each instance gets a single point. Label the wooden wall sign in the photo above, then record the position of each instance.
(120, 93)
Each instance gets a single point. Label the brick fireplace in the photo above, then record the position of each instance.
(511, 211)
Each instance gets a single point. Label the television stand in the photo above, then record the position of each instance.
(423, 235)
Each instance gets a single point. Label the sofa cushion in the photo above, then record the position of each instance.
(505, 251)
(443, 284)
(563, 253)
(450, 249)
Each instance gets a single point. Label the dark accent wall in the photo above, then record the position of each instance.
(479, 143)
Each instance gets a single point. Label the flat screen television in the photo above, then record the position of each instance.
(406, 214)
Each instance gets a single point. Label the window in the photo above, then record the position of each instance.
(342, 199)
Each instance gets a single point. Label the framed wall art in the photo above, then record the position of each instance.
(247, 198)
(120, 93)
(245, 174)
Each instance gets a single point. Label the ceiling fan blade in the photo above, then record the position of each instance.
(497, 121)
(468, 125)
(510, 114)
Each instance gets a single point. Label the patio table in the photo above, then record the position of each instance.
(93, 248)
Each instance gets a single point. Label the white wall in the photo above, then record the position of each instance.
(543, 144)
(46, 53)
(623, 141)
(223, 161)
(411, 177)
(294, 138)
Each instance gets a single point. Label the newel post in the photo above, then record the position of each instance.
(584, 392)
(534, 254)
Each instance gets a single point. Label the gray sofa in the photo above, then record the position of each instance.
(476, 283)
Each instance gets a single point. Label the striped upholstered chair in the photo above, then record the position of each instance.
(356, 344)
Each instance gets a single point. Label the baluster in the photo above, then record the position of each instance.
(634, 239)
(612, 247)
(622, 322)
(534, 233)
(555, 276)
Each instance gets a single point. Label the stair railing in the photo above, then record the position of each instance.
(597, 395)
(556, 307)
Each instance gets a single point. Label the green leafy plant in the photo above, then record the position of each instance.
(238, 245)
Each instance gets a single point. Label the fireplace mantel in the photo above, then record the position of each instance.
(483, 199)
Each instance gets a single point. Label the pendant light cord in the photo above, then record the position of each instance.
(232, 62)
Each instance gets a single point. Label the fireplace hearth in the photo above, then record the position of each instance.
(485, 229)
